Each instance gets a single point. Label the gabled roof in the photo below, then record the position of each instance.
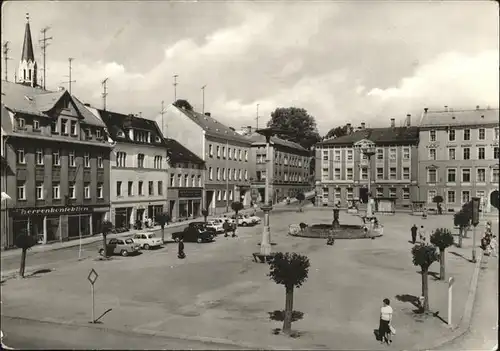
(257, 139)
(390, 135)
(178, 153)
(459, 117)
(88, 116)
(27, 45)
(213, 127)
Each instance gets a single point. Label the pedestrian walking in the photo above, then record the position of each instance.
(421, 234)
(414, 231)
(180, 251)
(493, 246)
(384, 329)
(226, 227)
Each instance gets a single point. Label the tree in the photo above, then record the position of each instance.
(181, 103)
(290, 270)
(495, 199)
(24, 242)
(204, 212)
(300, 198)
(442, 239)
(462, 221)
(163, 220)
(236, 207)
(107, 226)
(438, 199)
(300, 125)
(423, 256)
(338, 132)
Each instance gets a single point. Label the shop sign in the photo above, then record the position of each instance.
(189, 192)
(51, 210)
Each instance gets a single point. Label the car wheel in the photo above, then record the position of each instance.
(244, 224)
(146, 247)
(124, 253)
(199, 240)
(177, 239)
(101, 252)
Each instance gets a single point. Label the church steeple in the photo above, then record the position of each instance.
(28, 66)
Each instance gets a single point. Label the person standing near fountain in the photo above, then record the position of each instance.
(414, 231)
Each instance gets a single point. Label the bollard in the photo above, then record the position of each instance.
(450, 298)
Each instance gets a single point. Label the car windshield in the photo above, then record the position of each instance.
(151, 236)
(129, 241)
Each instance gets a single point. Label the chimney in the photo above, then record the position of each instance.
(426, 109)
(348, 128)
(363, 125)
(477, 107)
(249, 129)
(408, 120)
(446, 108)
(88, 105)
(60, 89)
(208, 114)
(393, 122)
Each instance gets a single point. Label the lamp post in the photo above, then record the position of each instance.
(367, 148)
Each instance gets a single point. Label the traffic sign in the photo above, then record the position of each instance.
(92, 276)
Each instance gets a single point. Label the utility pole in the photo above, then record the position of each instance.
(203, 93)
(257, 117)
(162, 113)
(175, 86)
(105, 93)
(44, 42)
(70, 81)
(6, 57)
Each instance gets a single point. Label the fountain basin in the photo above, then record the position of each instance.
(343, 231)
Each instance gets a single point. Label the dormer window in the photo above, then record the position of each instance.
(54, 127)
(157, 139)
(21, 123)
(88, 134)
(98, 134)
(120, 134)
(74, 131)
(36, 124)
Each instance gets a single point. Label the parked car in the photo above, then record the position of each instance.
(122, 247)
(231, 221)
(217, 225)
(204, 226)
(256, 219)
(243, 221)
(194, 233)
(147, 240)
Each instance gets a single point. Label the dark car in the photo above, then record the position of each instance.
(194, 233)
(203, 226)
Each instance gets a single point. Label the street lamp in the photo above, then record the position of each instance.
(367, 148)
(265, 245)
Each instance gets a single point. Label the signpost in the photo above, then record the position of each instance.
(451, 280)
(92, 277)
(475, 222)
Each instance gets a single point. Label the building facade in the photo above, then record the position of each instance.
(225, 152)
(139, 165)
(459, 155)
(185, 182)
(342, 169)
(290, 162)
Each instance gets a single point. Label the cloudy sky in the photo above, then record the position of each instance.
(343, 62)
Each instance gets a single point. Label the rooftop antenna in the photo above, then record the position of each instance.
(162, 112)
(175, 86)
(6, 57)
(257, 116)
(203, 93)
(70, 81)
(105, 93)
(44, 42)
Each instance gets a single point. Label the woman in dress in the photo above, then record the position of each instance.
(384, 329)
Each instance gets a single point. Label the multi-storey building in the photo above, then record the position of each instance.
(290, 163)
(185, 181)
(342, 169)
(139, 166)
(225, 152)
(4, 219)
(458, 154)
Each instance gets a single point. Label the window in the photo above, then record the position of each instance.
(466, 175)
(21, 123)
(406, 173)
(246, 155)
(98, 133)
(349, 173)
(405, 193)
(325, 155)
(151, 189)
(481, 175)
(364, 173)
(218, 151)
(210, 173)
(480, 194)
(179, 180)
(86, 190)
(56, 191)
(39, 190)
(230, 194)
(392, 154)
(224, 155)
(64, 126)
(157, 162)
(118, 188)
(380, 192)
(380, 154)
(336, 155)
(39, 156)
(224, 195)
(199, 180)
(235, 174)
(406, 153)
(481, 153)
(36, 124)
(432, 154)
(466, 152)
(465, 196)
(160, 187)
(451, 135)
(481, 134)
(451, 176)
(239, 154)
(432, 135)
(495, 176)
(193, 181)
(54, 127)
(21, 158)
(430, 195)
(100, 164)
(121, 158)
(172, 180)
(72, 190)
(210, 150)
(140, 188)
(349, 155)
(73, 128)
(88, 134)
(130, 188)
(229, 153)
(392, 192)
(21, 190)
(349, 193)
(186, 180)
(431, 176)
(140, 160)
(496, 154)
(246, 174)
(71, 159)
(324, 174)
(337, 193)
(229, 174)
(86, 160)
(239, 175)
(451, 154)
(218, 173)
(100, 194)
(380, 173)
(466, 134)
(393, 173)
(337, 173)
(450, 197)
(223, 174)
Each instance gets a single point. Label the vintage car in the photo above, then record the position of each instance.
(195, 233)
(122, 247)
(147, 240)
(217, 225)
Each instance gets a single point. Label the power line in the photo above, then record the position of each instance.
(6, 57)
(44, 42)
(175, 86)
(105, 93)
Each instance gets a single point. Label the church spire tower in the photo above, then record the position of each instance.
(28, 67)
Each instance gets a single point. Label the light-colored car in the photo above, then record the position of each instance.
(122, 247)
(243, 221)
(147, 240)
(255, 219)
(231, 221)
(215, 224)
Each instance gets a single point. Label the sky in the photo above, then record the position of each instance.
(354, 62)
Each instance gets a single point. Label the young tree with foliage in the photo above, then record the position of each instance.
(236, 207)
(300, 198)
(442, 239)
(338, 131)
(300, 125)
(163, 219)
(290, 270)
(461, 220)
(438, 199)
(204, 213)
(181, 103)
(107, 226)
(24, 242)
(423, 256)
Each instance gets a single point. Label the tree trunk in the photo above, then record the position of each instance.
(235, 223)
(287, 322)
(425, 289)
(441, 264)
(465, 232)
(460, 236)
(23, 263)
(104, 245)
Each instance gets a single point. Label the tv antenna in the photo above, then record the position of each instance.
(105, 92)
(44, 42)
(6, 58)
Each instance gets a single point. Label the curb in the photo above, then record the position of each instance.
(464, 325)
(145, 332)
